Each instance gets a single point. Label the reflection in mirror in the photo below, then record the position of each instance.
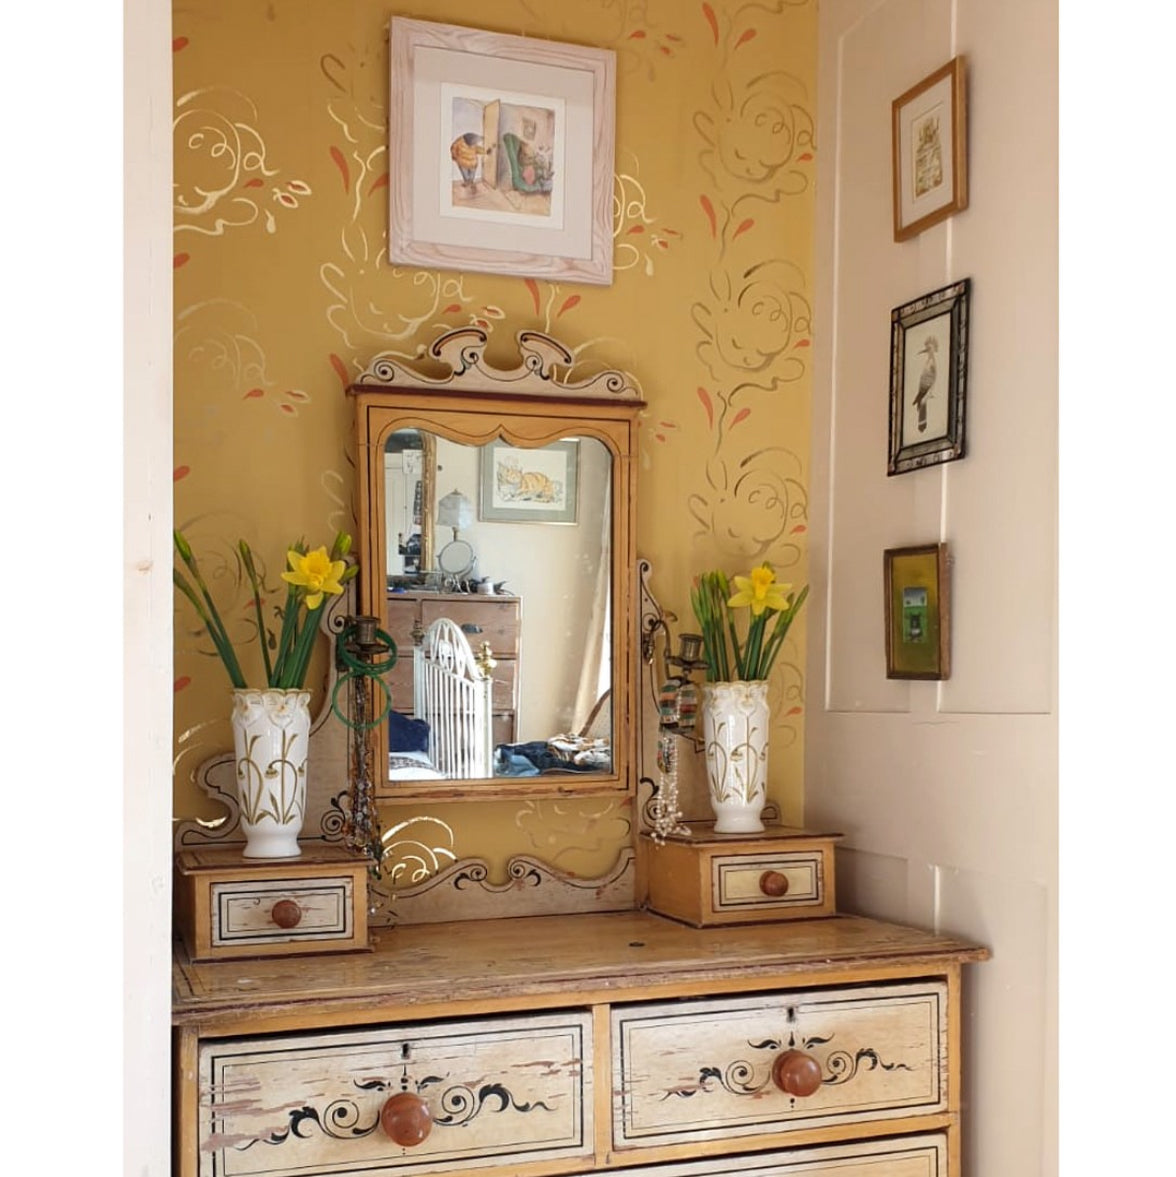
(530, 604)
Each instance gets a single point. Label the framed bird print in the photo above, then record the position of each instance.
(928, 378)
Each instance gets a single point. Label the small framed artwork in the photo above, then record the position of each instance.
(929, 143)
(929, 378)
(529, 485)
(501, 153)
(918, 614)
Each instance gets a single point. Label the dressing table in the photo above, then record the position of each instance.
(551, 1024)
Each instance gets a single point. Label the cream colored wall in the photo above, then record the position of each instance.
(147, 611)
(947, 792)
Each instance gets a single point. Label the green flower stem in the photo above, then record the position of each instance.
(251, 572)
(294, 672)
(219, 638)
(286, 639)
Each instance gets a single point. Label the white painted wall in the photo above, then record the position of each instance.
(147, 603)
(947, 792)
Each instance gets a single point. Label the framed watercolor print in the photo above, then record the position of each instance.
(918, 614)
(529, 485)
(928, 378)
(930, 150)
(501, 153)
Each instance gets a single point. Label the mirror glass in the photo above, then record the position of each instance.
(512, 545)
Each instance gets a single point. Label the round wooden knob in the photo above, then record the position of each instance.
(286, 913)
(773, 883)
(406, 1119)
(796, 1073)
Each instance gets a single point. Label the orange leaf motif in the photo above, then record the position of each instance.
(636, 229)
(744, 37)
(181, 683)
(452, 308)
(253, 393)
(637, 34)
(743, 414)
(340, 369)
(179, 260)
(181, 472)
(341, 164)
(743, 227)
(254, 183)
(568, 303)
(533, 287)
(709, 13)
(704, 396)
(179, 43)
(382, 182)
(709, 209)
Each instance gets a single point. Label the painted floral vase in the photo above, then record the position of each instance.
(735, 720)
(271, 740)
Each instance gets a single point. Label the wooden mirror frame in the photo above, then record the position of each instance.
(450, 390)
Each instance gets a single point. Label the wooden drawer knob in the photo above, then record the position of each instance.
(406, 1119)
(796, 1073)
(773, 883)
(286, 913)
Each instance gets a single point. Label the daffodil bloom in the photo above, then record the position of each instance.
(742, 646)
(316, 572)
(760, 591)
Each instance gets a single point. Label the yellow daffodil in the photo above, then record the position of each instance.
(316, 572)
(760, 591)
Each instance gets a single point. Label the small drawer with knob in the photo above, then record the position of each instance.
(435, 1097)
(730, 1068)
(705, 879)
(228, 906)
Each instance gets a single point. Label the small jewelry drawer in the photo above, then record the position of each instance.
(446, 1096)
(726, 1068)
(229, 906)
(706, 879)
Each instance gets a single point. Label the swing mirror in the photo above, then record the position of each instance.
(500, 502)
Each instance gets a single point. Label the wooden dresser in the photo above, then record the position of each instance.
(494, 619)
(575, 1044)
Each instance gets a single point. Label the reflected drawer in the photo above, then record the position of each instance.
(726, 1068)
(436, 1097)
(229, 906)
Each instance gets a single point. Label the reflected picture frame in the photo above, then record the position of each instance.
(917, 597)
(929, 146)
(500, 153)
(929, 379)
(529, 485)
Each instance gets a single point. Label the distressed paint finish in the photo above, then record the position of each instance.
(515, 1090)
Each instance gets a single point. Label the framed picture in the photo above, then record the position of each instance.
(529, 485)
(918, 615)
(929, 138)
(501, 153)
(929, 378)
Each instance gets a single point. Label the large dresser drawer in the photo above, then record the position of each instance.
(470, 1094)
(725, 1068)
(924, 1155)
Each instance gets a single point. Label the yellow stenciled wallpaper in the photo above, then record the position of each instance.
(283, 292)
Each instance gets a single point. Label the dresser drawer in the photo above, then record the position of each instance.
(924, 1155)
(496, 1090)
(706, 879)
(229, 906)
(282, 911)
(726, 1068)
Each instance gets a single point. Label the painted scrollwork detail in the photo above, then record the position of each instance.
(751, 1077)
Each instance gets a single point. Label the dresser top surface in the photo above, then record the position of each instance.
(494, 962)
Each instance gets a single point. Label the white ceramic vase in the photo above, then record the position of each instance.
(735, 719)
(271, 739)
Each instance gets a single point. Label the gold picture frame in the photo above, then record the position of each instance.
(930, 150)
(501, 153)
(918, 612)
